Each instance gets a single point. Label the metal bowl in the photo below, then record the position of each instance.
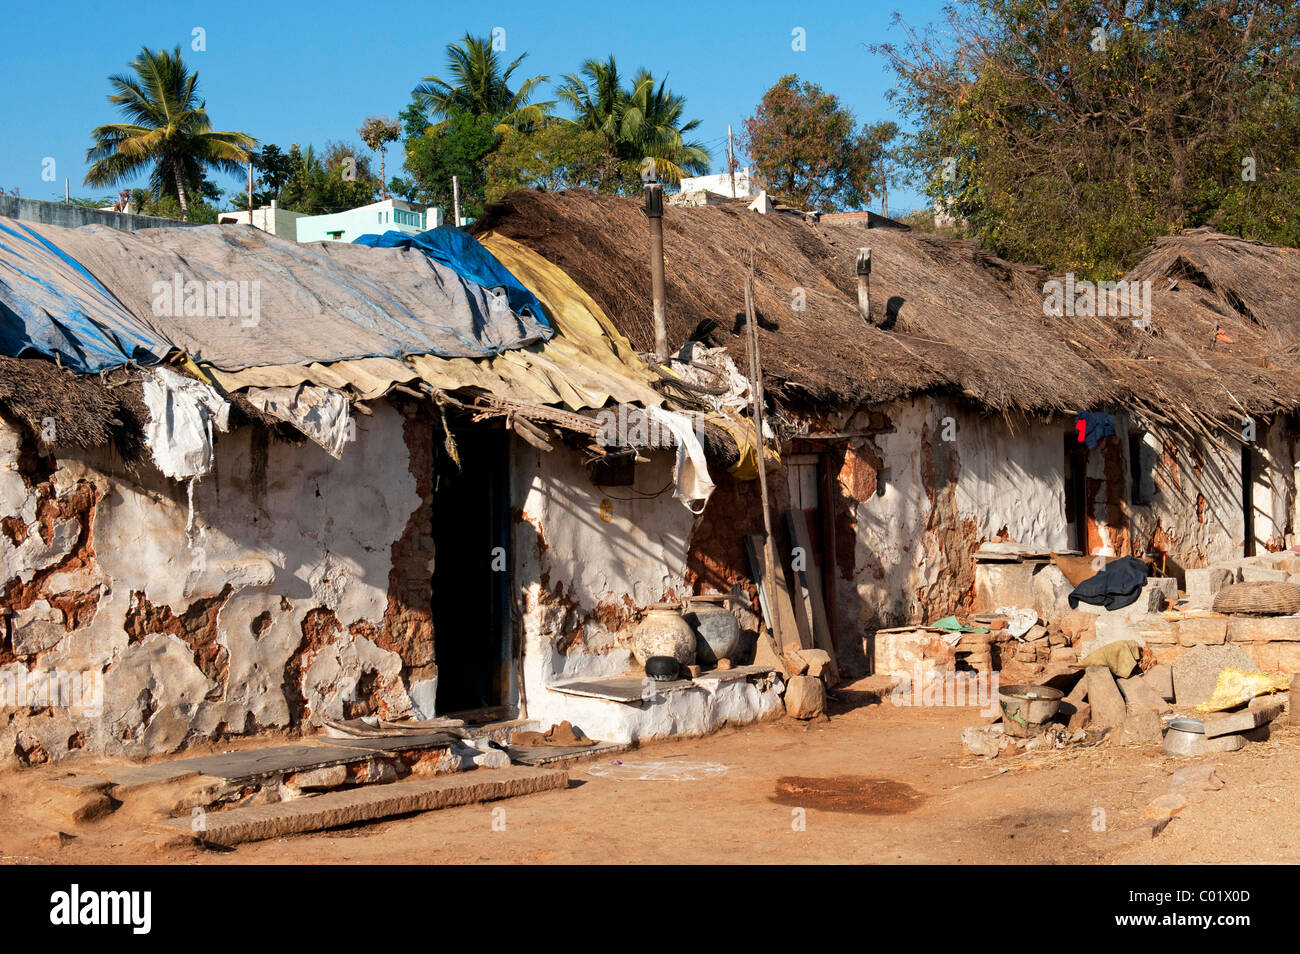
(1184, 737)
(1025, 708)
(661, 668)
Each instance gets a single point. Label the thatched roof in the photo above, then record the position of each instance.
(86, 410)
(97, 410)
(947, 316)
(1225, 335)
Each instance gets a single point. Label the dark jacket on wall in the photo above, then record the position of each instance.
(1116, 586)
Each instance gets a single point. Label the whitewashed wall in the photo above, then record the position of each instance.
(280, 534)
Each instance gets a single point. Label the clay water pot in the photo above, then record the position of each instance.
(717, 631)
(663, 632)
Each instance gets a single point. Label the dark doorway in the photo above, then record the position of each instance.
(472, 568)
(1076, 495)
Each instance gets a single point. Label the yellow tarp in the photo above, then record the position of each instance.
(1236, 687)
(745, 435)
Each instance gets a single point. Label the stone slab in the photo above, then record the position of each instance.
(1261, 629)
(369, 802)
(255, 763)
(620, 688)
(1161, 679)
(1262, 574)
(1158, 593)
(563, 754)
(135, 777)
(399, 743)
(1204, 583)
(1202, 631)
(1196, 672)
(1259, 712)
(1141, 697)
(1195, 778)
(1104, 697)
(1143, 726)
(733, 674)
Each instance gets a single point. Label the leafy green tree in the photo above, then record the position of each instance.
(202, 204)
(555, 156)
(1073, 134)
(273, 168)
(458, 147)
(639, 121)
(168, 131)
(479, 84)
(808, 147)
(338, 180)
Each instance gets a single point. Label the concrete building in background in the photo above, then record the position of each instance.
(376, 218)
(279, 222)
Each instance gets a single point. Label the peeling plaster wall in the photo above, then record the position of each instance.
(270, 611)
(1195, 508)
(948, 480)
(584, 579)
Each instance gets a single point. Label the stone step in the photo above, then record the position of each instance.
(367, 803)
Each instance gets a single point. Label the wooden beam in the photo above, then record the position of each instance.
(808, 578)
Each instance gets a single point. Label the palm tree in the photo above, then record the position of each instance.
(654, 120)
(598, 100)
(640, 121)
(169, 128)
(480, 87)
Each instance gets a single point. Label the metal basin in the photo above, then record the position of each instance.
(1026, 708)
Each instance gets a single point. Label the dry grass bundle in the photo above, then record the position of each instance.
(86, 411)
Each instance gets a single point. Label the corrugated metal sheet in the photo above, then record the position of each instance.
(585, 365)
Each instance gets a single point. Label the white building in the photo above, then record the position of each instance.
(720, 184)
(272, 218)
(386, 216)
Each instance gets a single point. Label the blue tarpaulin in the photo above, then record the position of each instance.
(466, 257)
(236, 297)
(49, 303)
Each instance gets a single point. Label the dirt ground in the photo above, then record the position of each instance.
(874, 784)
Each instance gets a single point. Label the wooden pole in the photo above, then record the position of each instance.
(756, 393)
(654, 210)
(731, 161)
(250, 192)
(863, 269)
(455, 201)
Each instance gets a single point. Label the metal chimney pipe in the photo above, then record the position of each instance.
(654, 210)
(863, 270)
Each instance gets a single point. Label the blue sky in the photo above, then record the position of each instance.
(310, 72)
